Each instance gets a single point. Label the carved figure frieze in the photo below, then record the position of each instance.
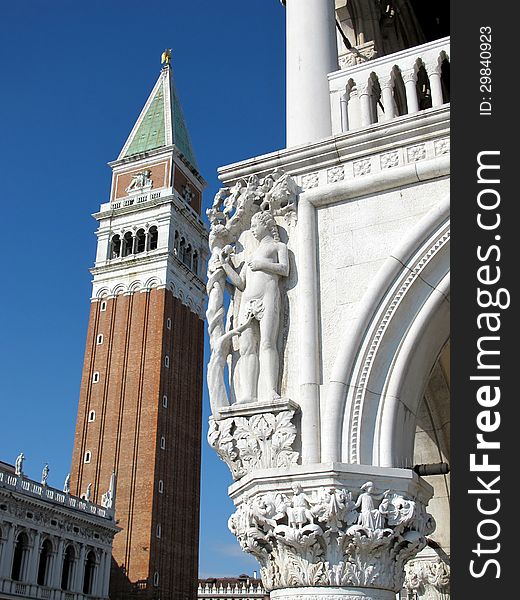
(261, 441)
(427, 579)
(248, 260)
(332, 536)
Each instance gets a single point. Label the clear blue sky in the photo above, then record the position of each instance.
(74, 76)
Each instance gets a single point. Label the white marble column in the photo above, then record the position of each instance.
(34, 559)
(434, 74)
(311, 55)
(55, 580)
(364, 101)
(79, 571)
(410, 80)
(7, 553)
(388, 97)
(106, 574)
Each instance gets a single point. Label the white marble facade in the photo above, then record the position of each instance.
(52, 545)
(319, 410)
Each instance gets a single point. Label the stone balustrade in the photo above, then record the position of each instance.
(230, 589)
(382, 89)
(28, 590)
(136, 198)
(29, 487)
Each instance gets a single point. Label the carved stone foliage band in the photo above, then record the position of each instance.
(261, 441)
(376, 163)
(332, 536)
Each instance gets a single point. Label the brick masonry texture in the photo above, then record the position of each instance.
(125, 437)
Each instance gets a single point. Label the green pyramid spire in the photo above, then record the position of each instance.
(151, 131)
(161, 122)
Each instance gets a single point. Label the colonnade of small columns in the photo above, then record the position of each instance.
(394, 85)
(38, 564)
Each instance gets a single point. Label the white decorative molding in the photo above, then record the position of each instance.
(346, 147)
(336, 174)
(362, 167)
(389, 159)
(416, 153)
(410, 275)
(310, 180)
(442, 146)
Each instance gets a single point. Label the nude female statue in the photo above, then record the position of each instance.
(259, 280)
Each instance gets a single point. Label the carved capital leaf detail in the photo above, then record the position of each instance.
(261, 441)
(328, 538)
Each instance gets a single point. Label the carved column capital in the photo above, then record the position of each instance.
(409, 76)
(255, 436)
(433, 68)
(354, 537)
(363, 89)
(386, 82)
(428, 578)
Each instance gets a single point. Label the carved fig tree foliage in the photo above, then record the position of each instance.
(332, 537)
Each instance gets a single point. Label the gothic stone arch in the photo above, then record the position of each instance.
(381, 371)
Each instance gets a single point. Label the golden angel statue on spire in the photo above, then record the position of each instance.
(166, 56)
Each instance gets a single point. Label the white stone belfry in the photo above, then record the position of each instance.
(311, 55)
(328, 318)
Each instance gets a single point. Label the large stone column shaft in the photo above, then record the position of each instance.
(311, 55)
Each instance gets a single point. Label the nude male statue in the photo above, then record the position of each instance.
(259, 280)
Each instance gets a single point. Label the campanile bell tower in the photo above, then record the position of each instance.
(139, 412)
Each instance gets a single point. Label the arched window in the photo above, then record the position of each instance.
(177, 244)
(182, 250)
(127, 243)
(20, 558)
(140, 244)
(115, 246)
(44, 563)
(153, 237)
(187, 256)
(67, 572)
(88, 578)
(196, 262)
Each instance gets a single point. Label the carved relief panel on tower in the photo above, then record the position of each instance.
(156, 175)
